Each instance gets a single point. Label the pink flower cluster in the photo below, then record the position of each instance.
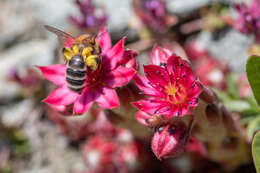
(172, 92)
(169, 86)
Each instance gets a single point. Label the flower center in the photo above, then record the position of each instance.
(176, 94)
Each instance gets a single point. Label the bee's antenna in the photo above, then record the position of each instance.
(97, 36)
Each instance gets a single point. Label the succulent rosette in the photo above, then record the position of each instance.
(99, 84)
(172, 89)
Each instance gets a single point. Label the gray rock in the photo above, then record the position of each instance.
(232, 47)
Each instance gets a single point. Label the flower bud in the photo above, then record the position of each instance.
(170, 140)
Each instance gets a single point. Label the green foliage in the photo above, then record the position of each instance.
(253, 126)
(256, 151)
(253, 75)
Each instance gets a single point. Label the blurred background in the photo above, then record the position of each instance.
(34, 138)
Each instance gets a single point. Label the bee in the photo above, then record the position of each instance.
(80, 53)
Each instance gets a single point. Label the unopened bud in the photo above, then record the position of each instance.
(170, 140)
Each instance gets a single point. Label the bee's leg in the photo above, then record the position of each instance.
(92, 62)
(68, 53)
(87, 52)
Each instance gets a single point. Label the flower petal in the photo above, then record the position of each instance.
(129, 59)
(107, 98)
(142, 84)
(104, 40)
(152, 106)
(54, 73)
(84, 101)
(157, 75)
(119, 77)
(61, 96)
(160, 55)
(114, 55)
(142, 117)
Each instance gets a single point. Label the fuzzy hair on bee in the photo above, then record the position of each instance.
(80, 53)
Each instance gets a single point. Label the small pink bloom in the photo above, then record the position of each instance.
(195, 50)
(100, 84)
(248, 20)
(153, 13)
(99, 152)
(211, 72)
(244, 87)
(88, 18)
(173, 90)
(170, 140)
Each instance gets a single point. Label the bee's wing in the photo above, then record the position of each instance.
(65, 39)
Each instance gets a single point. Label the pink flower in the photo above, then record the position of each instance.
(172, 91)
(99, 150)
(244, 87)
(210, 71)
(153, 13)
(249, 18)
(170, 140)
(88, 17)
(100, 84)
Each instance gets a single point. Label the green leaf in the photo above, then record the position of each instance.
(256, 151)
(232, 86)
(253, 126)
(237, 105)
(253, 75)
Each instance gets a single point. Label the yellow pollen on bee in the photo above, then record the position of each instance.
(69, 53)
(87, 51)
(91, 61)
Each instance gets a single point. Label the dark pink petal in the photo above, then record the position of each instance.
(119, 77)
(152, 106)
(157, 75)
(54, 73)
(84, 102)
(129, 59)
(114, 56)
(170, 140)
(107, 98)
(142, 84)
(195, 90)
(188, 76)
(160, 55)
(175, 65)
(61, 96)
(104, 40)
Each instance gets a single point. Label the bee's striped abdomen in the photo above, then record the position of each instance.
(76, 73)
